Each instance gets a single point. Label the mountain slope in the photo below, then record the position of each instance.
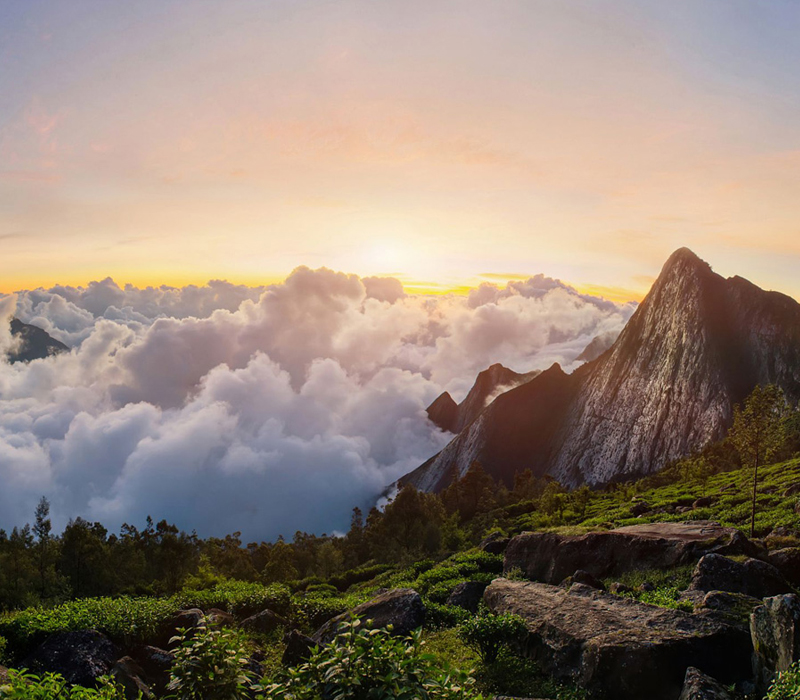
(696, 346)
(448, 415)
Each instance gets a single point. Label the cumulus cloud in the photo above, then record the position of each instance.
(264, 410)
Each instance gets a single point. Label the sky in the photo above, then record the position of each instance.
(444, 143)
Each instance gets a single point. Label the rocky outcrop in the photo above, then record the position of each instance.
(698, 686)
(443, 413)
(733, 608)
(697, 345)
(81, 657)
(787, 561)
(495, 543)
(265, 622)
(33, 343)
(467, 595)
(298, 648)
(617, 645)
(751, 577)
(551, 557)
(400, 608)
(775, 631)
(182, 620)
(131, 677)
(490, 383)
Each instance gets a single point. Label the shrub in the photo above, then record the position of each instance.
(210, 665)
(28, 686)
(440, 616)
(370, 663)
(787, 685)
(488, 633)
(353, 576)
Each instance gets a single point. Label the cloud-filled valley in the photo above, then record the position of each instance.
(264, 410)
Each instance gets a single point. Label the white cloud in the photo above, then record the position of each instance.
(264, 410)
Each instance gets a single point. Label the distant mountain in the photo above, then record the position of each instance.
(598, 345)
(696, 346)
(35, 343)
(448, 415)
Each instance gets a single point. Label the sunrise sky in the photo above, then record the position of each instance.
(446, 143)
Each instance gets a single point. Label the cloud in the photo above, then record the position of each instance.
(264, 410)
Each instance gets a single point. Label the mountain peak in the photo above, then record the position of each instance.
(684, 258)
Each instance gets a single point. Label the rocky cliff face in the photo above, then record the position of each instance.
(697, 345)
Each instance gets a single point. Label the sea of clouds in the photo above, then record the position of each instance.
(264, 410)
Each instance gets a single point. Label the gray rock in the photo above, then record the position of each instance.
(699, 686)
(495, 543)
(787, 561)
(298, 648)
(584, 577)
(183, 619)
(265, 622)
(81, 657)
(619, 646)
(128, 674)
(220, 618)
(751, 577)
(775, 632)
(551, 557)
(703, 502)
(156, 664)
(467, 595)
(401, 608)
(733, 608)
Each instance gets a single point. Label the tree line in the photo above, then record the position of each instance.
(38, 566)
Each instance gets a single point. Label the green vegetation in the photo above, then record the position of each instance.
(787, 685)
(51, 686)
(370, 663)
(128, 585)
(488, 634)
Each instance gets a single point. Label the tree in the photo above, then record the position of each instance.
(758, 430)
(42, 528)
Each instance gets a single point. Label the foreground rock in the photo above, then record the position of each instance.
(617, 645)
(550, 557)
(733, 608)
(401, 608)
(157, 664)
(467, 595)
(775, 630)
(130, 676)
(265, 622)
(751, 577)
(81, 657)
(787, 561)
(183, 619)
(298, 648)
(699, 686)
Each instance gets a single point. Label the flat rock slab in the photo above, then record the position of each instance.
(617, 645)
(551, 557)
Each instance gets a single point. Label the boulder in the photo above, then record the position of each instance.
(298, 648)
(467, 595)
(183, 619)
(584, 577)
(618, 588)
(495, 543)
(733, 608)
(640, 508)
(699, 686)
(787, 561)
(775, 631)
(220, 618)
(128, 674)
(752, 577)
(401, 608)
(619, 646)
(156, 664)
(703, 502)
(81, 657)
(265, 622)
(551, 557)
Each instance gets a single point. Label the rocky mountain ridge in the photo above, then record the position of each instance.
(34, 343)
(696, 346)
